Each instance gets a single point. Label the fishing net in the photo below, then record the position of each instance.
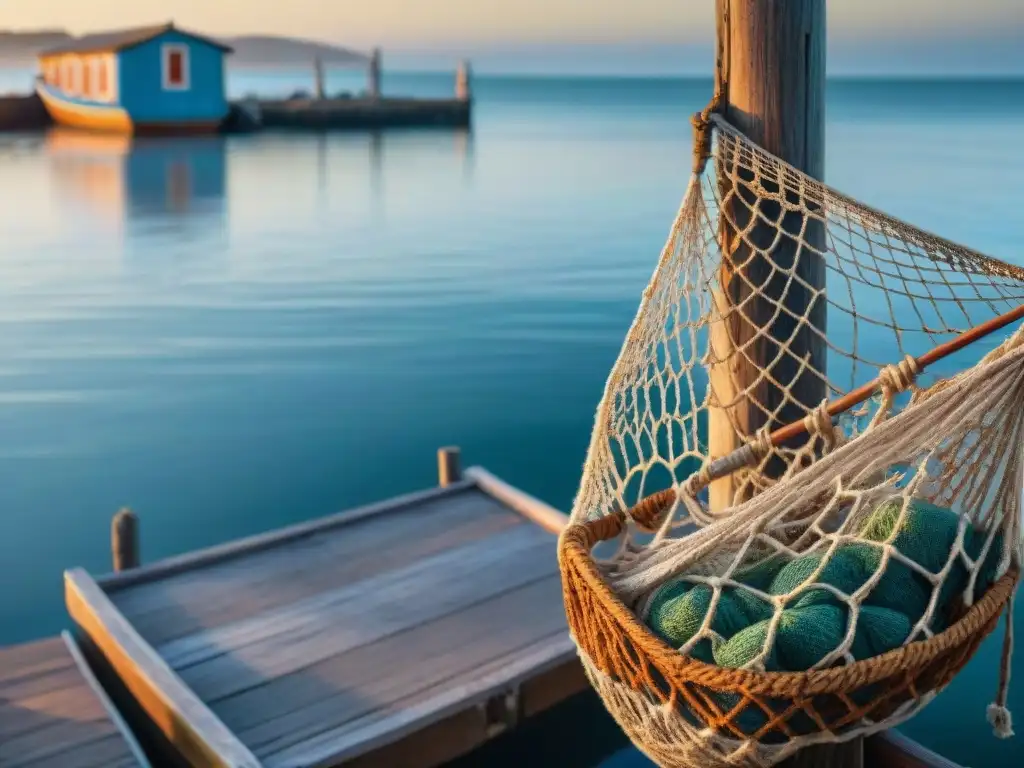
(738, 594)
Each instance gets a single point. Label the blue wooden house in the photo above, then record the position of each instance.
(157, 79)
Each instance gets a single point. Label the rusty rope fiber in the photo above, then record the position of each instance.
(581, 576)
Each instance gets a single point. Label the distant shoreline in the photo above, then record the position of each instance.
(19, 49)
(271, 68)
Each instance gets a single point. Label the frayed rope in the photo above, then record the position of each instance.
(1001, 720)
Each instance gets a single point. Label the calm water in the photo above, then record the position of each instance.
(234, 335)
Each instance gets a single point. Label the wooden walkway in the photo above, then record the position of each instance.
(53, 713)
(405, 633)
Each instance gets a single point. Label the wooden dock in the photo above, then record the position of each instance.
(54, 713)
(365, 113)
(23, 113)
(405, 633)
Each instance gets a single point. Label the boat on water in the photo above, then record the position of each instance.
(142, 81)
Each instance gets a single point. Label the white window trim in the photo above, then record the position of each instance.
(73, 72)
(186, 67)
(98, 63)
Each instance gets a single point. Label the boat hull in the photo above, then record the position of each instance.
(115, 119)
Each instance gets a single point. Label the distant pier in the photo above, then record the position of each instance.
(365, 113)
(312, 112)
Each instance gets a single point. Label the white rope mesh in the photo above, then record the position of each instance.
(888, 291)
(717, 348)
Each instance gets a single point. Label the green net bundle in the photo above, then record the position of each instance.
(813, 618)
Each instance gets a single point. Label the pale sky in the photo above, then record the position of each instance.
(989, 29)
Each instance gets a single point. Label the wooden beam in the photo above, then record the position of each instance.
(250, 544)
(112, 712)
(331, 750)
(771, 74)
(198, 734)
(528, 506)
(845, 755)
(894, 750)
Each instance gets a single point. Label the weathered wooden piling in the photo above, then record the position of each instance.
(374, 75)
(318, 74)
(463, 81)
(124, 540)
(770, 76)
(449, 465)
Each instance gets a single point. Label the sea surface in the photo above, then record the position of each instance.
(236, 334)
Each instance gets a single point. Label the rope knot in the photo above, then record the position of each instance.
(761, 442)
(698, 481)
(702, 133)
(896, 378)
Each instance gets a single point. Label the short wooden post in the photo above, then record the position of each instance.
(124, 540)
(449, 469)
(318, 69)
(374, 75)
(463, 81)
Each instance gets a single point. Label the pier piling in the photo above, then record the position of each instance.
(374, 75)
(449, 465)
(770, 77)
(770, 80)
(318, 70)
(124, 540)
(463, 81)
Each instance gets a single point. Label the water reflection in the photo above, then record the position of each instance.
(140, 182)
(458, 143)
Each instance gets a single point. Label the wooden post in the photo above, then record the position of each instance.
(771, 73)
(373, 84)
(463, 81)
(318, 69)
(448, 466)
(124, 540)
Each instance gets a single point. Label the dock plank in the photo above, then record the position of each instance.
(27, 659)
(329, 640)
(365, 685)
(409, 575)
(53, 713)
(368, 611)
(106, 751)
(355, 737)
(353, 679)
(233, 590)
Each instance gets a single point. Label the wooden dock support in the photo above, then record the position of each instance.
(320, 89)
(770, 71)
(449, 465)
(124, 540)
(374, 75)
(463, 81)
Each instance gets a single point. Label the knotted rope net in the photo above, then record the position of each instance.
(736, 596)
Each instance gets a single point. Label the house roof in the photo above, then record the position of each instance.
(119, 40)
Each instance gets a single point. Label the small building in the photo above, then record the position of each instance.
(157, 79)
